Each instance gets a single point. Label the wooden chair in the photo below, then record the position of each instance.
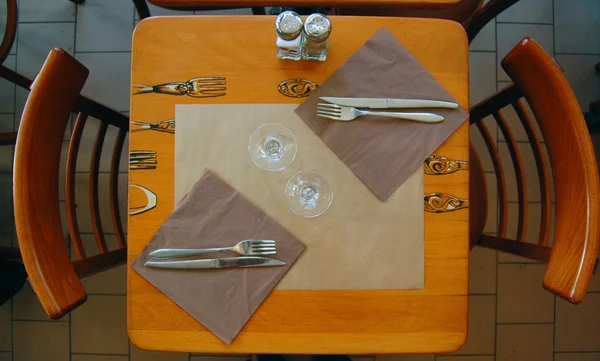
(9, 138)
(54, 96)
(144, 12)
(572, 256)
(471, 13)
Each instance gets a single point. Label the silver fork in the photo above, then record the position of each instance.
(344, 113)
(248, 247)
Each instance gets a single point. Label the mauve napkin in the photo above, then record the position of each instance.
(213, 214)
(382, 152)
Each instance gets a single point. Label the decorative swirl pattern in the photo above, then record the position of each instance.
(297, 88)
(442, 202)
(440, 165)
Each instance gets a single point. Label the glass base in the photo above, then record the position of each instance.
(308, 193)
(272, 147)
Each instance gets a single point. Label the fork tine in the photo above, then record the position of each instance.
(329, 115)
(329, 105)
(253, 246)
(204, 78)
(331, 110)
(213, 88)
(261, 241)
(207, 83)
(263, 248)
(263, 253)
(327, 112)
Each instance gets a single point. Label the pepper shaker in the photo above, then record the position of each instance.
(289, 35)
(317, 28)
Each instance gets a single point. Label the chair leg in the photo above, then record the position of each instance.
(142, 8)
(8, 138)
(77, 1)
(259, 11)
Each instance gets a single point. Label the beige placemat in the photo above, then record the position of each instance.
(359, 243)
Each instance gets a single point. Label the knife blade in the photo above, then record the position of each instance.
(388, 103)
(217, 263)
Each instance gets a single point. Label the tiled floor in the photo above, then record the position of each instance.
(511, 316)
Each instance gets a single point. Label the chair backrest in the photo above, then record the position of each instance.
(10, 31)
(54, 96)
(572, 256)
(484, 15)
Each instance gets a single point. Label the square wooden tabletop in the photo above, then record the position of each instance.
(242, 49)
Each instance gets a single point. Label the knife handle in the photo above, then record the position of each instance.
(418, 117)
(419, 103)
(166, 253)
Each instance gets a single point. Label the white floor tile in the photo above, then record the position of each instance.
(104, 25)
(528, 11)
(577, 25)
(585, 82)
(6, 200)
(158, 11)
(6, 151)
(486, 38)
(509, 35)
(7, 89)
(482, 76)
(241, 11)
(35, 42)
(108, 82)
(6, 327)
(46, 10)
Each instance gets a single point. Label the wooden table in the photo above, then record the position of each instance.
(242, 49)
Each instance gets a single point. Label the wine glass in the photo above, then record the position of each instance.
(272, 147)
(308, 193)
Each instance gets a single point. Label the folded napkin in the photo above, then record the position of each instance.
(213, 214)
(382, 152)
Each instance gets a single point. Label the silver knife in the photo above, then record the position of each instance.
(385, 103)
(217, 263)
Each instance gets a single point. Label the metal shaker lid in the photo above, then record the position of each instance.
(317, 27)
(288, 25)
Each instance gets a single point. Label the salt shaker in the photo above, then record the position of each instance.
(317, 28)
(289, 35)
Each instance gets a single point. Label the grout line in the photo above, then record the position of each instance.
(107, 294)
(524, 323)
(47, 321)
(70, 339)
(521, 23)
(47, 22)
(12, 325)
(98, 354)
(482, 51)
(554, 327)
(104, 52)
(554, 314)
(468, 355)
(582, 54)
(497, 215)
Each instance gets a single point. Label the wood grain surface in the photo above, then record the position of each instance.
(242, 49)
